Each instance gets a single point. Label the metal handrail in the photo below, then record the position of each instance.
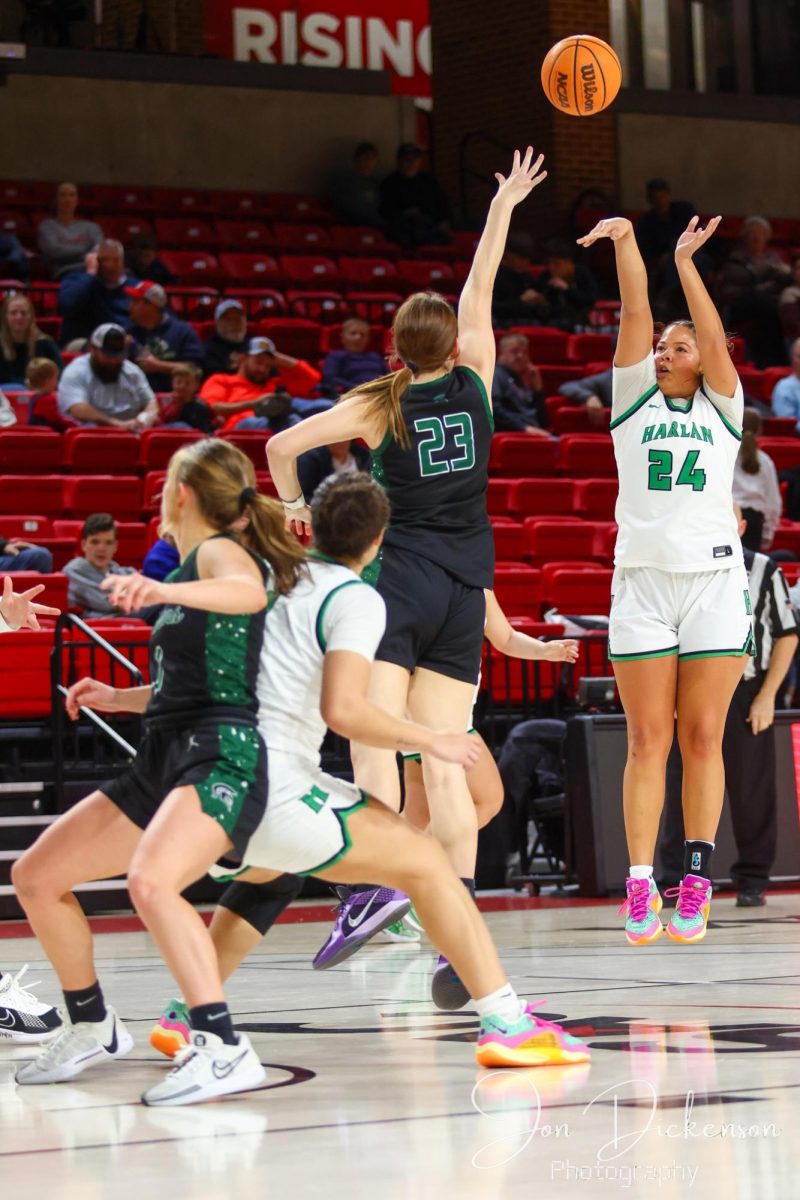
(59, 689)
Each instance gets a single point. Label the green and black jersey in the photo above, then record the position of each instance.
(204, 664)
(437, 487)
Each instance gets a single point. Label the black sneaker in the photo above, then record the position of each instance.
(751, 898)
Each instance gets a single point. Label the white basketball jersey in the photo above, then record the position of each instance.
(329, 609)
(675, 460)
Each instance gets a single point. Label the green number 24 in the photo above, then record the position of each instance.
(433, 443)
(659, 477)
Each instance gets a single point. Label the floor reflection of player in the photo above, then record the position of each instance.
(429, 427)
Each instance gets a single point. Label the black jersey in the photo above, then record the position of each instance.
(204, 663)
(437, 487)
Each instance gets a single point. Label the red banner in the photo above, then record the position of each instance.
(380, 35)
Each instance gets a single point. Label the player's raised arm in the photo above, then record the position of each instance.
(712, 341)
(636, 320)
(475, 337)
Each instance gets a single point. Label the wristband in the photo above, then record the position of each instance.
(294, 505)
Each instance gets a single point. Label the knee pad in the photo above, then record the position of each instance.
(260, 904)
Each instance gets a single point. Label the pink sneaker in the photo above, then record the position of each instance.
(641, 907)
(690, 919)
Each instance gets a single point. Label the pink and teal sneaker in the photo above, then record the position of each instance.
(642, 906)
(172, 1031)
(690, 919)
(529, 1042)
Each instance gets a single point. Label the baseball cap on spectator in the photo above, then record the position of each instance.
(226, 306)
(153, 293)
(110, 339)
(260, 345)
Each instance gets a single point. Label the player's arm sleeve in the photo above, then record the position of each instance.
(730, 408)
(631, 387)
(352, 617)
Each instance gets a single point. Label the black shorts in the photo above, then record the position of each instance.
(226, 763)
(432, 619)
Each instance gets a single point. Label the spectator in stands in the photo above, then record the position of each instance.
(141, 259)
(751, 281)
(87, 572)
(14, 262)
(755, 487)
(316, 465)
(183, 409)
(95, 295)
(65, 240)
(569, 288)
(41, 379)
(226, 345)
(354, 193)
(354, 363)
(517, 299)
(160, 339)
(412, 203)
(161, 558)
(517, 395)
(789, 305)
(657, 233)
(8, 414)
(264, 371)
(103, 388)
(594, 392)
(786, 393)
(21, 339)
(19, 555)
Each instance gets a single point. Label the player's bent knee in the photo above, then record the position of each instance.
(144, 888)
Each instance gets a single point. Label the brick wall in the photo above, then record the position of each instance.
(486, 59)
(172, 26)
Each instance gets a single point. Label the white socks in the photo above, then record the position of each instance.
(504, 1003)
(640, 872)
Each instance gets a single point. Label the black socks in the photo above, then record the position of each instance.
(86, 1004)
(697, 858)
(214, 1018)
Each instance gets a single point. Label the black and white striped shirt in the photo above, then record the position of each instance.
(774, 615)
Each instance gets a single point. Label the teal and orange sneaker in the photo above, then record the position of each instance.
(689, 921)
(172, 1031)
(642, 906)
(529, 1042)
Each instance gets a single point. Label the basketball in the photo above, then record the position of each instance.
(581, 75)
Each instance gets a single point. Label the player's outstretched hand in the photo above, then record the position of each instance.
(610, 227)
(298, 520)
(18, 609)
(693, 238)
(90, 693)
(561, 650)
(524, 176)
(129, 593)
(461, 748)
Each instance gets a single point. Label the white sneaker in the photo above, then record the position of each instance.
(23, 1018)
(206, 1068)
(76, 1048)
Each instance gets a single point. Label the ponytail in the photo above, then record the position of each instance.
(748, 451)
(383, 402)
(266, 533)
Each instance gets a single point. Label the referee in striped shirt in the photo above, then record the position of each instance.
(748, 745)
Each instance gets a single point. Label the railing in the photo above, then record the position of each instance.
(73, 658)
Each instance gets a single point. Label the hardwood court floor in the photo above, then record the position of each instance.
(692, 1091)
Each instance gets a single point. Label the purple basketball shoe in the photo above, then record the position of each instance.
(361, 915)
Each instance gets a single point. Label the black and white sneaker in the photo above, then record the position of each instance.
(23, 1018)
(207, 1068)
(76, 1048)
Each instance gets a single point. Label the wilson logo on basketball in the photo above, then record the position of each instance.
(589, 86)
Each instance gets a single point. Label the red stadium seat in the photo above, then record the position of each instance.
(419, 274)
(241, 204)
(512, 680)
(253, 443)
(185, 233)
(578, 592)
(509, 540)
(32, 493)
(26, 525)
(779, 426)
(110, 449)
(596, 498)
(123, 228)
(15, 194)
(360, 239)
(249, 270)
(192, 266)
(753, 383)
(554, 376)
(120, 495)
(244, 235)
(310, 270)
(590, 454)
(181, 201)
(297, 206)
(547, 345)
(497, 497)
(193, 303)
(293, 335)
(547, 540)
(45, 298)
(151, 494)
(365, 273)
(55, 585)
(30, 449)
(125, 198)
(25, 666)
(317, 306)
(375, 307)
(523, 455)
(589, 347)
(770, 378)
(549, 569)
(572, 419)
(787, 537)
(17, 224)
(784, 451)
(541, 497)
(305, 239)
(332, 340)
(157, 446)
(518, 590)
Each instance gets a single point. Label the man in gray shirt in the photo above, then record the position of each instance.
(86, 573)
(103, 388)
(65, 239)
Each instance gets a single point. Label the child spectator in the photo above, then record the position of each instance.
(87, 572)
(41, 378)
(354, 363)
(183, 409)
